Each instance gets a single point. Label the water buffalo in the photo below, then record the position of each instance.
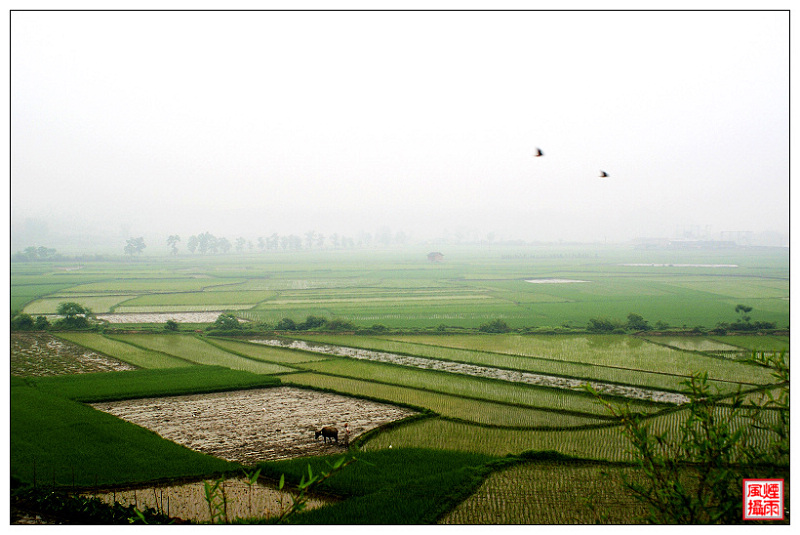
(327, 433)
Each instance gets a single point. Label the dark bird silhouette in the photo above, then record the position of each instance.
(603, 174)
(538, 152)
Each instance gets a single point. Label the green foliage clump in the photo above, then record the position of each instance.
(743, 323)
(603, 325)
(634, 323)
(134, 246)
(315, 323)
(22, 322)
(637, 323)
(76, 316)
(375, 328)
(496, 326)
(695, 477)
(312, 322)
(340, 325)
(227, 322)
(286, 324)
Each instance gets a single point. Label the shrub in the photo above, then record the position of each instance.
(496, 326)
(226, 322)
(694, 476)
(22, 322)
(41, 323)
(603, 325)
(637, 323)
(76, 316)
(312, 322)
(286, 324)
(340, 325)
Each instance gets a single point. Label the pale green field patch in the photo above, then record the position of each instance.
(740, 288)
(196, 350)
(134, 355)
(267, 353)
(608, 350)
(218, 298)
(165, 285)
(97, 303)
(692, 343)
(450, 406)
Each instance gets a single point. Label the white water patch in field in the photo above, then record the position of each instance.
(553, 281)
(683, 265)
(475, 370)
(162, 317)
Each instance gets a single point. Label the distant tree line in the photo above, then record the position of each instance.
(34, 254)
(73, 316)
(207, 243)
(637, 323)
(743, 323)
(76, 316)
(229, 322)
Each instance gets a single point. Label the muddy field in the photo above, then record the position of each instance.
(187, 501)
(41, 354)
(248, 426)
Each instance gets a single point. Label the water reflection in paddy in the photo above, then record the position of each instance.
(502, 374)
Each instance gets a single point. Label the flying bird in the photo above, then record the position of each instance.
(603, 174)
(538, 152)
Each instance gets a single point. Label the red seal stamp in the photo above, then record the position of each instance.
(763, 499)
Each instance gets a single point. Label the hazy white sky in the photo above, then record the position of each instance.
(249, 123)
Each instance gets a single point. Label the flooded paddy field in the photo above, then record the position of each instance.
(474, 370)
(42, 354)
(249, 426)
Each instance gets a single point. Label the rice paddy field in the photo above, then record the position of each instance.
(402, 289)
(453, 428)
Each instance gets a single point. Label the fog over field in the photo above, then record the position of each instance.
(246, 124)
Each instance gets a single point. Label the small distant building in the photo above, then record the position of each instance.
(435, 257)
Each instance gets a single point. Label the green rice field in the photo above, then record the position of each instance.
(479, 442)
(402, 289)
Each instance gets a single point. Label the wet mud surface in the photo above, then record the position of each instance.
(248, 426)
(41, 354)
